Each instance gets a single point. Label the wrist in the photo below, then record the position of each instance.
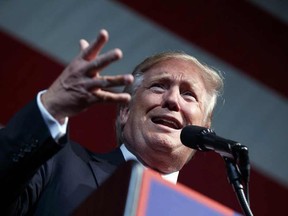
(51, 108)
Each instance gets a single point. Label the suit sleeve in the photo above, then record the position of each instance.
(25, 147)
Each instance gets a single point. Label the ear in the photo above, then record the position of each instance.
(124, 114)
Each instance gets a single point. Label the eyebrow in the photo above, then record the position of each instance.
(167, 77)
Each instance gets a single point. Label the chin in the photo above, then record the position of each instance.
(164, 146)
(169, 167)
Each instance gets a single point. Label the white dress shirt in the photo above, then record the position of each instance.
(171, 177)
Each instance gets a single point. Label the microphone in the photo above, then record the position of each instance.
(205, 139)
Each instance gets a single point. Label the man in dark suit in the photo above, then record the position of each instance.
(43, 173)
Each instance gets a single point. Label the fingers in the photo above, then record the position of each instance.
(93, 50)
(83, 44)
(109, 81)
(99, 87)
(80, 85)
(102, 61)
(106, 96)
(90, 53)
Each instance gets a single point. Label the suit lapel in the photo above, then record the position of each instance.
(101, 171)
(101, 165)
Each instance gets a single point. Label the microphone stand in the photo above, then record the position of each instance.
(234, 178)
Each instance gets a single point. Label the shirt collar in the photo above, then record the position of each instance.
(171, 177)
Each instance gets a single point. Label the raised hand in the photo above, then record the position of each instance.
(80, 85)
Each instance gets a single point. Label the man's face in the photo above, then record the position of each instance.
(171, 96)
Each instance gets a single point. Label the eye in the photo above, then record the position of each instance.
(157, 87)
(189, 96)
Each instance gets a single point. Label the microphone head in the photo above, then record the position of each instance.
(192, 136)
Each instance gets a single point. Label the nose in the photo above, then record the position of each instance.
(171, 100)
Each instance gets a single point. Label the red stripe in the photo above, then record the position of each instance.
(24, 72)
(235, 31)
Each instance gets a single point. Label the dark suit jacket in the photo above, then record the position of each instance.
(41, 177)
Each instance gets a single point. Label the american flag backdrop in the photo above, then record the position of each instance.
(246, 40)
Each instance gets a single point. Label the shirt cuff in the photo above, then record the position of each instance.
(56, 129)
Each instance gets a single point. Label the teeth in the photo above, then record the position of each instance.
(166, 122)
(170, 122)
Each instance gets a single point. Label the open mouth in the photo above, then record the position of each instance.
(168, 122)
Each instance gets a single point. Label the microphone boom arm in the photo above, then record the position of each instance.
(234, 178)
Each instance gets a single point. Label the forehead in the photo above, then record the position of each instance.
(177, 70)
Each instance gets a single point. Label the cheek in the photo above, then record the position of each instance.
(147, 102)
(193, 114)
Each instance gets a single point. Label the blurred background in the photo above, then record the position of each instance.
(247, 41)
